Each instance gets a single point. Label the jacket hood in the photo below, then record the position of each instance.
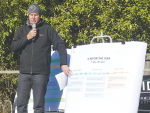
(38, 24)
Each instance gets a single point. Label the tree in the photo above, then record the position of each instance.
(77, 21)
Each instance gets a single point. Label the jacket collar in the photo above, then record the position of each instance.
(38, 24)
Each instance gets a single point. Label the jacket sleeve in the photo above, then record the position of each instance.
(19, 41)
(59, 45)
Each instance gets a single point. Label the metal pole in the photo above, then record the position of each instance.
(102, 37)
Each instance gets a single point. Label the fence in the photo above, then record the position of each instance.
(6, 91)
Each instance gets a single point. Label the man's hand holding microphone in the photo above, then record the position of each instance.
(32, 33)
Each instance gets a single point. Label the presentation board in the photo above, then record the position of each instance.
(106, 78)
(145, 94)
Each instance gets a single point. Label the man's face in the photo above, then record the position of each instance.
(34, 18)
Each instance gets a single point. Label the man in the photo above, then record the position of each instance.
(35, 47)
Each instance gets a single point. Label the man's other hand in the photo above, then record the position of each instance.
(66, 70)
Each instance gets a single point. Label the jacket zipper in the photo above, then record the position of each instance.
(31, 58)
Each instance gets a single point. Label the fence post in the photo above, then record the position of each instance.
(7, 101)
(1, 106)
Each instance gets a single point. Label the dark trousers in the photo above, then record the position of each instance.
(39, 84)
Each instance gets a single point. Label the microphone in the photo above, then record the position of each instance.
(33, 27)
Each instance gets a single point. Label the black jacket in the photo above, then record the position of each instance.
(35, 55)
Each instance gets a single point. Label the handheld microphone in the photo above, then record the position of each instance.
(33, 27)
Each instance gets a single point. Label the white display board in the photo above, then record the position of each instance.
(106, 78)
